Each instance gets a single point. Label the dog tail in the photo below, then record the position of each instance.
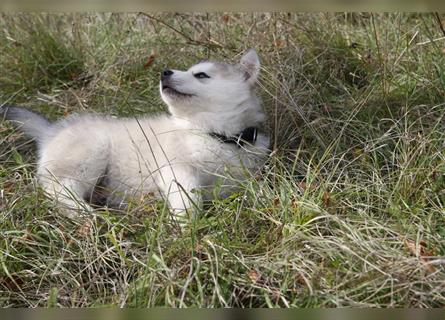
(32, 124)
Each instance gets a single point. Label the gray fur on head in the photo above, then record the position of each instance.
(250, 63)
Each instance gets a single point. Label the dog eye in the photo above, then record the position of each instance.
(201, 75)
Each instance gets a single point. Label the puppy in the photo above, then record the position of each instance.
(213, 133)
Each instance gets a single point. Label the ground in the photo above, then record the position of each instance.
(348, 210)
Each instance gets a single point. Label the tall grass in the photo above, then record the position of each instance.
(348, 210)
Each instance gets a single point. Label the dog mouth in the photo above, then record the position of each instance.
(172, 91)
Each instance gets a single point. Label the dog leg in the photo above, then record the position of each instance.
(178, 184)
(69, 169)
(69, 195)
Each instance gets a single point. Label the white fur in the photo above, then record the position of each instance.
(168, 155)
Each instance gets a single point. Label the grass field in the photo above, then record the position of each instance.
(349, 210)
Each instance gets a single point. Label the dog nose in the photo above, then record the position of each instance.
(166, 73)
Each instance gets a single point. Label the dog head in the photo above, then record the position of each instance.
(214, 95)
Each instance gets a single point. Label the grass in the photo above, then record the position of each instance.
(349, 210)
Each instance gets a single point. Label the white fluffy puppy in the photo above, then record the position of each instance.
(213, 132)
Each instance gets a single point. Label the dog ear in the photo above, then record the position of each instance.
(250, 64)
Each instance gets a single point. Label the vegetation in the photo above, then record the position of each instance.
(348, 211)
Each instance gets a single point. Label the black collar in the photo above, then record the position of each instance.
(247, 135)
